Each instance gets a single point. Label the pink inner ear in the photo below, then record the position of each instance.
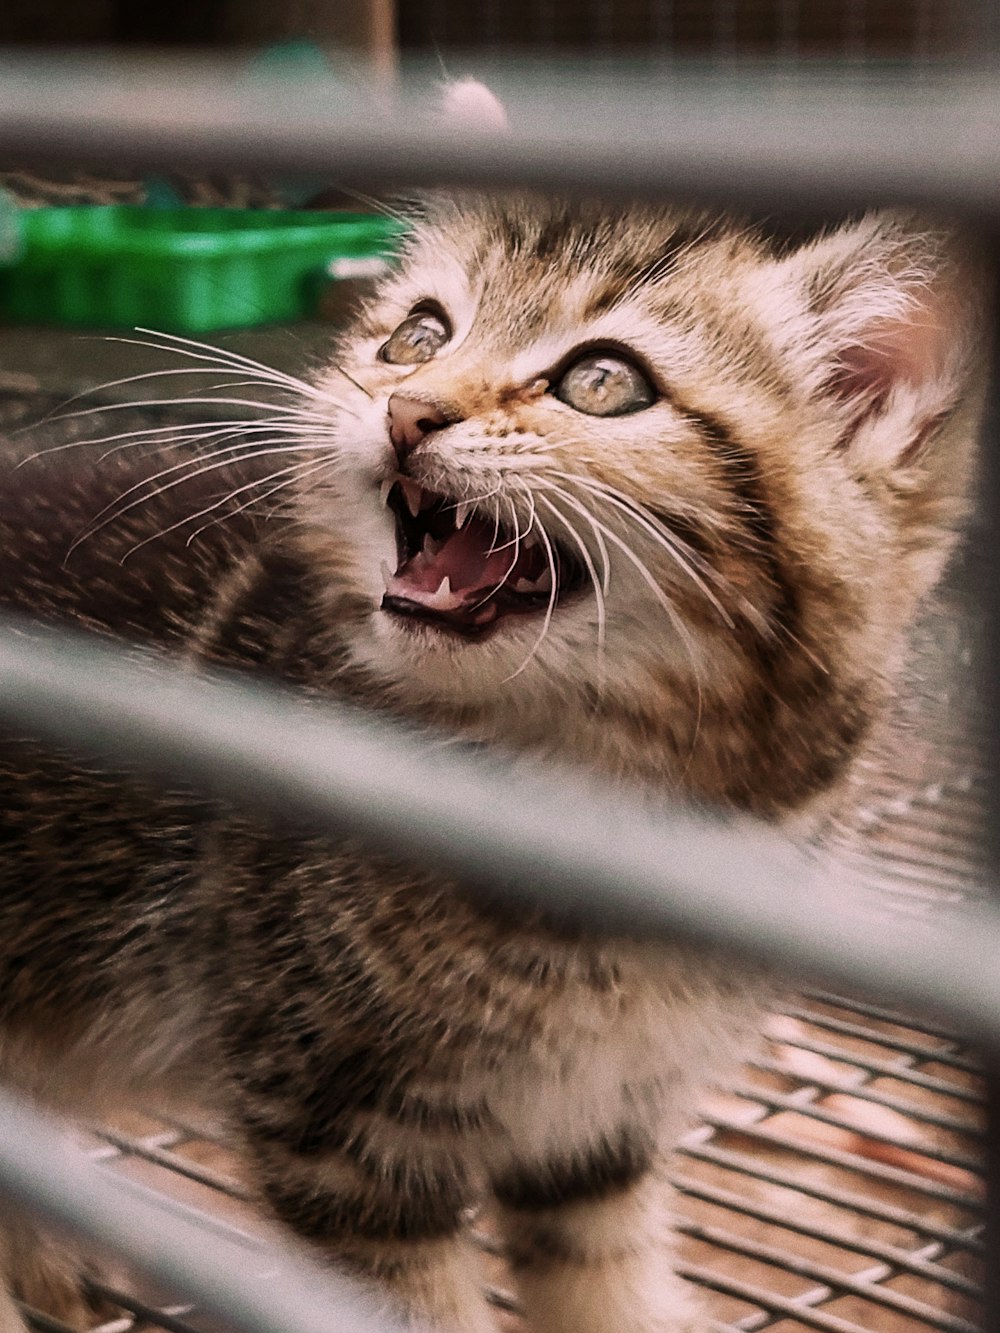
(911, 348)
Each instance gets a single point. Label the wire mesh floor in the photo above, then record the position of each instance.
(835, 1187)
(837, 1184)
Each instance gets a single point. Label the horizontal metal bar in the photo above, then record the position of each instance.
(44, 1173)
(879, 1013)
(865, 1166)
(865, 1094)
(867, 1246)
(848, 1200)
(44, 1323)
(765, 138)
(838, 1282)
(792, 1103)
(578, 852)
(883, 1068)
(148, 1316)
(802, 1312)
(171, 1161)
(916, 1049)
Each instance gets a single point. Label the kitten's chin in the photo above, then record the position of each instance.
(433, 663)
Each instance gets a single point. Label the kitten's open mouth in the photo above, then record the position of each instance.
(464, 572)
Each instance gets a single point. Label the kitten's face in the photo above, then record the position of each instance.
(597, 459)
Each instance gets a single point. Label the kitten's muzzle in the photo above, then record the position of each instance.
(411, 420)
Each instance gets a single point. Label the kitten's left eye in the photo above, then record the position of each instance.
(419, 337)
(603, 385)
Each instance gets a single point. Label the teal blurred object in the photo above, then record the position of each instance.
(183, 270)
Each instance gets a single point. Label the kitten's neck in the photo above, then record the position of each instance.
(276, 613)
(710, 756)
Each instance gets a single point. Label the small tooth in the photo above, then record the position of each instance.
(524, 585)
(387, 574)
(462, 511)
(384, 489)
(430, 547)
(530, 539)
(412, 494)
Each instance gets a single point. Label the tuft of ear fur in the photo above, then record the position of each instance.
(469, 103)
(884, 320)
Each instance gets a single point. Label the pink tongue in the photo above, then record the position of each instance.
(464, 559)
(472, 569)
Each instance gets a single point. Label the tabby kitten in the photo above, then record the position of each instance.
(635, 488)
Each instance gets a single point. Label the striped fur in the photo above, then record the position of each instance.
(388, 1049)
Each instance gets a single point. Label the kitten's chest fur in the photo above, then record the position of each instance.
(245, 596)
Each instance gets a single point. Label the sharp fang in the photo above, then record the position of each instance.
(387, 574)
(430, 547)
(442, 597)
(412, 494)
(384, 489)
(462, 511)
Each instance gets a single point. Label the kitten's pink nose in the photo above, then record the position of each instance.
(412, 420)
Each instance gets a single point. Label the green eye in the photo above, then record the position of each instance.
(419, 337)
(603, 385)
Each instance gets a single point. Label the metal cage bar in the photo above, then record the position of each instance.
(802, 151)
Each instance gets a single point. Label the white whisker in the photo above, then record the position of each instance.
(516, 543)
(180, 346)
(208, 509)
(599, 541)
(104, 517)
(644, 573)
(592, 571)
(136, 379)
(649, 523)
(287, 413)
(544, 537)
(291, 474)
(299, 472)
(175, 435)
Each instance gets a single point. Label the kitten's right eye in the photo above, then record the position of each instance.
(419, 337)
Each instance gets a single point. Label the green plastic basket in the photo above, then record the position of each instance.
(185, 270)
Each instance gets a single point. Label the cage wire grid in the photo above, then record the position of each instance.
(871, 1224)
(837, 1185)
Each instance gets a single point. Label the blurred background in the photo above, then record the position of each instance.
(379, 29)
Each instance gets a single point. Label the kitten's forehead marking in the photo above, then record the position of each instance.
(532, 321)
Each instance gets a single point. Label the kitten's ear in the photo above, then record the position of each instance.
(469, 103)
(887, 335)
